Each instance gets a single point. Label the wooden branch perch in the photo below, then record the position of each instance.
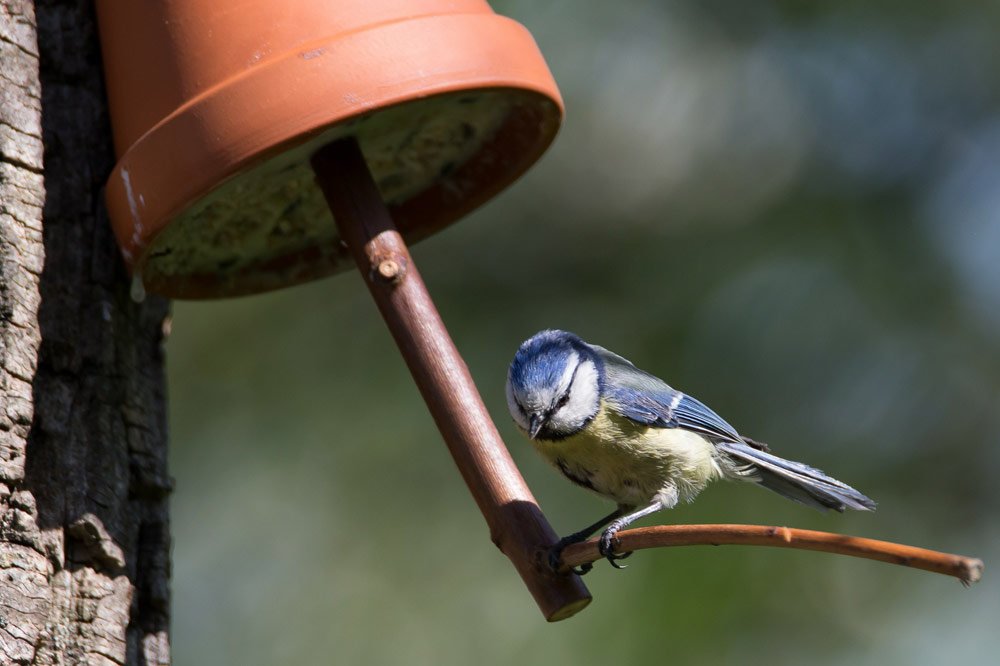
(516, 523)
(966, 569)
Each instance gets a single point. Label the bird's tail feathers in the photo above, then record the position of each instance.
(794, 480)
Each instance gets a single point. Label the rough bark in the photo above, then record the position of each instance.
(84, 542)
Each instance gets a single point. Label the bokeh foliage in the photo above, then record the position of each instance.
(789, 210)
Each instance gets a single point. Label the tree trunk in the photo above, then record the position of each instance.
(84, 540)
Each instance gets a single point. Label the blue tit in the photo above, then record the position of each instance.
(628, 436)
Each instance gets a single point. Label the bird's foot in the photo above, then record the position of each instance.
(555, 556)
(606, 546)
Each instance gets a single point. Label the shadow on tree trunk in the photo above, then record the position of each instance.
(95, 487)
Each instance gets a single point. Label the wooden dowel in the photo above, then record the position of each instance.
(517, 525)
(967, 569)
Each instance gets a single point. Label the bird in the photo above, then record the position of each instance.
(628, 436)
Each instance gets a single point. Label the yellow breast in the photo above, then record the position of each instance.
(631, 463)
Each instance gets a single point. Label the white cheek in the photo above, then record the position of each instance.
(515, 410)
(583, 399)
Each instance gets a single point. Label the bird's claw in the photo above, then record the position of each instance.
(607, 549)
(555, 558)
(605, 545)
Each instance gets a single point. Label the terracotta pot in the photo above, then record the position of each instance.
(217, 105)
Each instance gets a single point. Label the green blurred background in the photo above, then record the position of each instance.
(790, 210)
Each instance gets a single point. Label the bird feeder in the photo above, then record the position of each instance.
(217, 107)
(240, 126)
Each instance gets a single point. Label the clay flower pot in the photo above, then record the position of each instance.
(217, 105)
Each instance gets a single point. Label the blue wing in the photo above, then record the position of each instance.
(695, 415)
(645, 399)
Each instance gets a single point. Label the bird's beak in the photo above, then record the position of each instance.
(536, 424)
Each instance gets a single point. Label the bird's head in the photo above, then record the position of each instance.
(554, 385)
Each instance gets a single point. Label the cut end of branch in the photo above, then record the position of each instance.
(569, 610)
(972, 570)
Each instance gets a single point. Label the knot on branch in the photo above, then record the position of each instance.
(389, 268)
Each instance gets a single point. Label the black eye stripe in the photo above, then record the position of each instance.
(564, 398)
